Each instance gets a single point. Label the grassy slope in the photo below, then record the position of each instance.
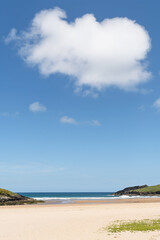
(4, 192)
(153, 189)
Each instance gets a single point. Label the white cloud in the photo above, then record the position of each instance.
(157, 104)
(4, 114)
(95, 54)
(68, 120)
(96, 123)
(9, 114)
(142, 107)
(30, 168)
(37, 107)
(12, 36)
(16, 114)
(146, 91)
(86, 93)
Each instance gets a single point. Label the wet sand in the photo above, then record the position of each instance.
(103, 201)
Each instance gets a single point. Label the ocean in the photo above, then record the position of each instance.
(69, 196)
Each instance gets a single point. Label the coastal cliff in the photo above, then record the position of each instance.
(11, 198)
(143, 190)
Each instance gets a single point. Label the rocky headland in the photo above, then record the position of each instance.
(11, 198)
(143, 190)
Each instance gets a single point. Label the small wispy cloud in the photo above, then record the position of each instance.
(95, 123)
(30, 168)
(5, 114)
(69, 120)
(12, 36)
(146, 91)
(9, 114)
(16, 113)
(37, 107)
(86, 93)
(142, 108)
(156, 104)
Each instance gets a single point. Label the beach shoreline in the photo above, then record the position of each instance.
(81, 202)
(100, 201)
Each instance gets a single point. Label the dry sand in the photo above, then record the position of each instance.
(74, 221)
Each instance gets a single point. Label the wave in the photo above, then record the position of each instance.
(93, 198)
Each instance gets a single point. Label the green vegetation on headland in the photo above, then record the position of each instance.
(140, 190)
(132, 226)
(150, 189)
(11, 198)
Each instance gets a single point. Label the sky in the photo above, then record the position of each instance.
(79, 94)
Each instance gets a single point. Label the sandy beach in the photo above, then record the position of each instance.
(75, 221)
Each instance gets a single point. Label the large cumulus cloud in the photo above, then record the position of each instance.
(95, 54)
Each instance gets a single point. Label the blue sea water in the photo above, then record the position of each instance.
(67, 195)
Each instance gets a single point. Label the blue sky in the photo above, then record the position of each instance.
(56, 132)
